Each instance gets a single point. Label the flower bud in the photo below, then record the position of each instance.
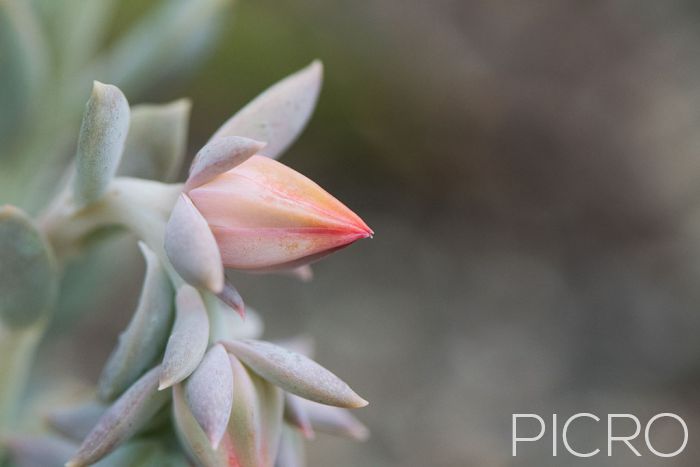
(265, 216)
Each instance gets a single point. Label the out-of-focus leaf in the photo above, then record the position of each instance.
(159, 41)
(295, 415)
(192, 248)
(279, 114)
(333, 420)
(133, 410)
(155, 147)
(143, 340)
(188, 340)
(101, 142)
(27, 275)
(303, 273)
(76, 422)
(219, 156)
(291, 451)
(23, 61)
(139, 453)
(80, 28)
(39, 451)
(193, 438)
(209, 393)
(17, 349)
(295, 373)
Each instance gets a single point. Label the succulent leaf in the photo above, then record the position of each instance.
(334, 420)
(28, 279)
(76, 422)
(101, 142)
(131, 412)
(231, 297)
(295, 373)
(156, 144)
(193, 438)
(219, 156)
(188, 340)
(280, 113)
(209, 393)
(192, 249)
(295, 414)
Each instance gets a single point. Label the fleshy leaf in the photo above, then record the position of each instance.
(230, 296)
(133, 410)
(143, 340)
(209, 393)
(333, 420)
(193, 438)
(280, 113)
(188, 340)
(76, 422)
(27, 275)
(295, 415)
(218, 156)
(101, 142)
(192, 249)
(155, 147)
(295, 373)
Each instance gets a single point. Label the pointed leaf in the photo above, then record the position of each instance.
(295, 373)
(155, 147)
(76, 422)
(101, 142)
(192, 249)
(193, 438)
(218, 156)
(143, 340)
(27, 275)
(279, 114)
(333, 420)
(209, 393)
(232, 298)
(123, 419)
(188, 340)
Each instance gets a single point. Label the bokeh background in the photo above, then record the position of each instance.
(532, 172)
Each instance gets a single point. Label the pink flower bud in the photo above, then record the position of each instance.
(266, 216)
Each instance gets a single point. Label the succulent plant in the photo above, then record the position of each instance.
(189, 380)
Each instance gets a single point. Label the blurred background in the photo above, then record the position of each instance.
(532, 172)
